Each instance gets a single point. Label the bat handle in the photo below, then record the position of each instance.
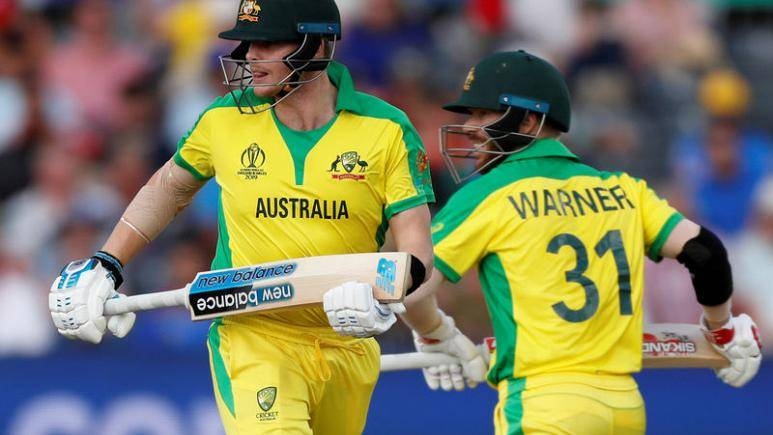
(148, 301)
(419, 360)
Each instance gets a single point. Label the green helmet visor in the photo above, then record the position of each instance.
(240, 73)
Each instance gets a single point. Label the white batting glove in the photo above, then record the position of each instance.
(447, 339)
(739, 341)
(77, 302)
(352, 310)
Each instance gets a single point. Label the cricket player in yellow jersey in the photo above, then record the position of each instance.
(559, 247)
(306, 166)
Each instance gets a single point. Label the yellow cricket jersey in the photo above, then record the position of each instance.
(289, 194)
(560, 251)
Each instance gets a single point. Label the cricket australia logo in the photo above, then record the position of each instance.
(470, 78)
(349, 161)
(253, 157)
(266, 399)
(249, 10)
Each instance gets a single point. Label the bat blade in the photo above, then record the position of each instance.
(294, 282)
(664, 345)
(678, 345)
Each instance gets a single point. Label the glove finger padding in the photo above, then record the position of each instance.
(457, 378)
(77, 302)
(475, 371)
(446, 383)
(92, 331)
(352, 310)
(447, 339)
(432, 377)
(738, 340)
(120, 325)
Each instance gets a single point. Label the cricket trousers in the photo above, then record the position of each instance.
(570, 403)
(281, 379)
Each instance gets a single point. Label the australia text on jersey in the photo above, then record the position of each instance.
(301, 208)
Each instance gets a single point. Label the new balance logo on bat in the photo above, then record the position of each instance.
(237, 299)
(223, 279)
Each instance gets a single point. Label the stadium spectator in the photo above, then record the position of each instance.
(87, 71)
(721, 165)
(752, 260)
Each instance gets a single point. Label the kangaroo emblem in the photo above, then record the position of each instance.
(334, 165)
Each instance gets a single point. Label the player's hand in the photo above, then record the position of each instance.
(352, 310)
(447, 339)
(78, 296)
(739, 341)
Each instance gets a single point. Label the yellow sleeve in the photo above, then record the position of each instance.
(658, 219)
(194, 150)
(408, 181)
(462, 231)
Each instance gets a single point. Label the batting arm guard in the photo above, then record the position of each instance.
(706, 258)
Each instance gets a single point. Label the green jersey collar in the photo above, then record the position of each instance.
(547, 147)
(341, 78)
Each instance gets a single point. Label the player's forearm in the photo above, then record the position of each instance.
(410, 230)
(124, 243)
(421, 315)
(156, 204)
(421, 307)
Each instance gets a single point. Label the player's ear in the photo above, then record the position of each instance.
(325, 49)
(530, 123)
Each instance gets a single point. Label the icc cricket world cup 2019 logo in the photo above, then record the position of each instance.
(253, 158)
(386, 272)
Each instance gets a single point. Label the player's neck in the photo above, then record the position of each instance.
(310, 107)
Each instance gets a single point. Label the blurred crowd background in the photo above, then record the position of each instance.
(95, 94)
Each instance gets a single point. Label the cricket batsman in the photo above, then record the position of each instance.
(559, 247)
(306, 166)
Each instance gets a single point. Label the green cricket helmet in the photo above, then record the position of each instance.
(308, 22)
(517, 84)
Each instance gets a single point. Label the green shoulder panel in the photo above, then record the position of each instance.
(377, 108)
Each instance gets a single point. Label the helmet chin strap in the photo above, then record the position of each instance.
(302, 60)
(504, 131)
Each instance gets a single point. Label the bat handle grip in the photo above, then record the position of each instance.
(149, 301)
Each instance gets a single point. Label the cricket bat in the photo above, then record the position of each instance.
(664, 345)
(278, 284)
